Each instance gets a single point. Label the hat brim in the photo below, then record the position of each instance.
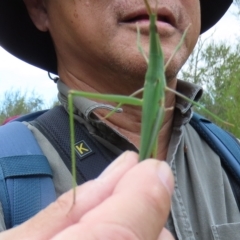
(20, 37)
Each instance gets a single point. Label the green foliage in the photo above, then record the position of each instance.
(216, 67)
(17, 103)
(237, 3)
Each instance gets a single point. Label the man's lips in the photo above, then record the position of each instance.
(164, 15)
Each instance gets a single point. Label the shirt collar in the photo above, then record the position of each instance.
(82, 106)
(85, 107)
(190, 90)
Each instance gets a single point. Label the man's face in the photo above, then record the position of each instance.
(102, 33)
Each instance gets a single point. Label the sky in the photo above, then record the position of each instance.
(18, 75)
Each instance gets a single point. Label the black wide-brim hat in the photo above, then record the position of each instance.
(21, 38)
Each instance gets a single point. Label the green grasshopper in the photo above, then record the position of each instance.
(153, 96)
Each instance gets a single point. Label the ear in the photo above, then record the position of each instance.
(38, 14)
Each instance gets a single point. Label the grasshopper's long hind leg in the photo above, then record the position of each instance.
(107, 97)
(72, 142)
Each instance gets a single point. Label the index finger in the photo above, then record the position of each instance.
(137, 209)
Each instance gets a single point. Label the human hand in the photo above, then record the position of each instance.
(127, 201)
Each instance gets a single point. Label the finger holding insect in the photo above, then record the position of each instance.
(146, 203)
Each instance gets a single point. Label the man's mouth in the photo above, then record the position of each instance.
(146, 18)
(137, 19)
(163, 15)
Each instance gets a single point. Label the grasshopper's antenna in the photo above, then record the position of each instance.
(178, 47)
(139, 45)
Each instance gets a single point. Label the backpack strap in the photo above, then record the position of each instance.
(30, 116)
(26, 184)
(226, 147)
(91, 156)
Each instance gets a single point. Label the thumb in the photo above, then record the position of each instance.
(137, 209)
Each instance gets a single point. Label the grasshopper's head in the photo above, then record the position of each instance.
(149, 10)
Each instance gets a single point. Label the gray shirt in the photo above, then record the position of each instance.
(203, 204)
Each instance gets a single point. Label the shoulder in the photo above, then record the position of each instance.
(62, 178)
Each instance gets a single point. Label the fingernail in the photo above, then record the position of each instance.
(115, 164)
(166, 177)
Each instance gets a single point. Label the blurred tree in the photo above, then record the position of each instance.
(237, 3)
(216, 67)
(17, 103)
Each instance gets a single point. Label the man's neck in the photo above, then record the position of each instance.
(128, 123)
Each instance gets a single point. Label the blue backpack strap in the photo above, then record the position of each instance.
(30, 116)
(226, 147)
(26, 184)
